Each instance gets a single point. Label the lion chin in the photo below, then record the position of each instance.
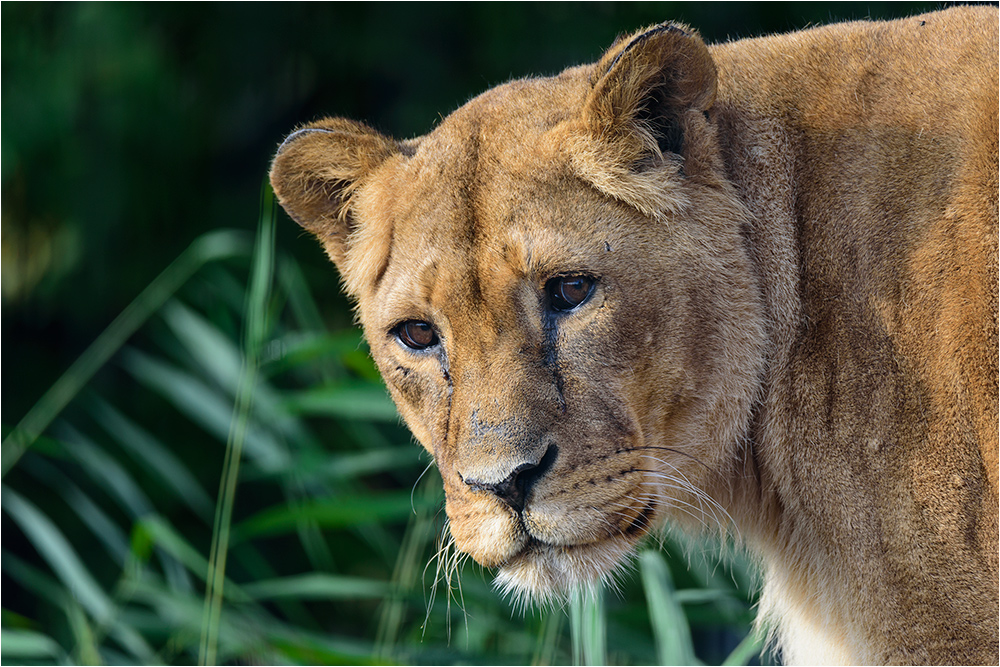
(542, 574)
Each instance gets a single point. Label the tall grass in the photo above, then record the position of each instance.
(219, 479)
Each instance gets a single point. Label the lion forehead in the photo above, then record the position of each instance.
(441, 227)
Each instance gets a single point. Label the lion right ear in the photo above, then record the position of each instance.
(318, 167)
(646, 93)
(643, 85)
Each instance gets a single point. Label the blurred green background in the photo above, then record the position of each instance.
(230, 422)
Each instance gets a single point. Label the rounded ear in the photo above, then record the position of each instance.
(643, 86)
(318, 167)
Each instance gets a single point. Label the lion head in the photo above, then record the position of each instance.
(555, 290)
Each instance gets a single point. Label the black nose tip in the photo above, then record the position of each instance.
(515, 488)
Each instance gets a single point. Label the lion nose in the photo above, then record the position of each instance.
(514, 489)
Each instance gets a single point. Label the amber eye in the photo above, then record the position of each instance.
(416, 335)
(568, 292)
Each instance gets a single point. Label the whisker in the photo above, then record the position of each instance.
(707, 505)
(448, 562)
(674, 450)
(413, 489)
(691, 488)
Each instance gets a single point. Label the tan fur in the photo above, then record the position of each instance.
(793, 329)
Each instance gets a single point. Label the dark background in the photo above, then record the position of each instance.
(130, 130)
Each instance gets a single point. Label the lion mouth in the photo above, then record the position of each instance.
(636, 527)
(545, 528)
(643, 522)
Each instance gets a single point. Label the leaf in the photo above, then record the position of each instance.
(33, 579)
(256, 327)
(86, 650)
(359, 401)
(207, 248)
(702, 596)
(746, 650)
(50, 543)
(305, 349)
(588, 629)
(154, 530)
(29, 644)
(314, 650)
(92, 515)
(213, 352)
(327, 513)
(358, 464)
(155, 458)
(670, 626)
(108, 473)
(317, 585)
(204, 405)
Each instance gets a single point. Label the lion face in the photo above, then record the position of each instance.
(558, 300)
(510, 351)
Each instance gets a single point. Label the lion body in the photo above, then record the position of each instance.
(790, 246)
(878, 155)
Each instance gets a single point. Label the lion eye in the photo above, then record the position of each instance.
(416, 335)
(568, 292)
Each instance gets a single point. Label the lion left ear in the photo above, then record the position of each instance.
(643, 86)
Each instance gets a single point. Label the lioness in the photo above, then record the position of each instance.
(754, 281)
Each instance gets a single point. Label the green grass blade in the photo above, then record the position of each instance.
(329, 513)
(589, 634)
(360, 401)
(107, 473)
(220, 359)
(90, 513)
(670, 626)
(307, 314)
(310, 649)
(213, 352)
(154, 530)
(746, 650)
(207, 406)
(103, 527)
(29, 646)
(67, 598)
(317, 585)
(358, 464)
(548, 638)
(409, 567)
(57, 551)
(207, 248)
(32, 579)
(154, 457)
(86, 651)
(255, 324)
